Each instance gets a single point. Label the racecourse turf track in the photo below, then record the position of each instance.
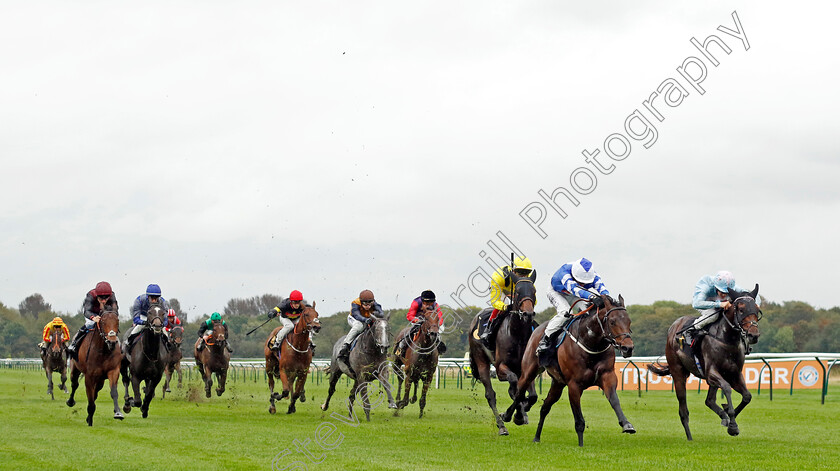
(186, 431)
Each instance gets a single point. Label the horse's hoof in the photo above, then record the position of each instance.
(413, 400)
(324, 406)
(302, 397)
(126, 408)
(167, 390)
(518, 420)
(219, 392)
(71, 402)
(393, 405)
(503, 431)
(272, 410)
(733, 430)
(118, 416)
(290, 411)
(536, 440)
(145, 414)
(89, 421)
(628, 428)
(208, 394)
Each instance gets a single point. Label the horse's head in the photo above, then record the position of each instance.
(309, 319)
(524, 295)
(429, 328)
(218, 333)
(615, 321)
(745, 313)
(56, 345)
(176, 335)
(380, 332)
(109, 328)
(154, 318)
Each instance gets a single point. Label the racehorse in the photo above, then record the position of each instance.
(511, 340)
(294, 359)
(55, 359)
(213, 358)
(99, 358)
(585, 359)
(419, 360)
(145, 362)
(173, 360)
(719, 359)
(368, 361)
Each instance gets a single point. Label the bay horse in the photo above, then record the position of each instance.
(719, 359)
(54, 359)
(291, 366)
(99, 358)
(419, 360)
(585, 359)
(173, 360)
(511, 340)
(368, 362)
(213, 358)
(145, 362)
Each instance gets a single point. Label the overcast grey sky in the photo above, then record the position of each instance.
(233, 149)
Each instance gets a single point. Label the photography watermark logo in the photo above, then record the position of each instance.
(808, 375)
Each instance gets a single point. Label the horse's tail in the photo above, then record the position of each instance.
(659, 369)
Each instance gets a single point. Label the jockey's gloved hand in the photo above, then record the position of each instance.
(272, 314)
(369, 321)
(597, 301)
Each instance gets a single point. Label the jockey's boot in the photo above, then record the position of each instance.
(80, 334)
(441, 347)
(275, 344)
(312, 345)
(200, 345)
(227, 346)
(545, 343)
(487, 337)
(344, 353)
(398, 348)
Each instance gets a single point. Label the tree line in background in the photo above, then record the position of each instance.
(789, 327)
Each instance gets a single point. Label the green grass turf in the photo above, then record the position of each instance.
(186, 431)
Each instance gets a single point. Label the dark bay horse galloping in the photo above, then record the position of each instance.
(213, 358)
(720, 356)
(368, 360)
(145, 362)
(55, 360)
(99, 358)
(292, 366)
(419, 360)
(586, 358)
(511, 340)
(173, 360)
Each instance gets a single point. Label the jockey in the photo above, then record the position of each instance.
(424, 305)
(98, 300)
(171, 320)
(289, 312)
(140, 310)
(361, 310)
(711, 297)
(205, 331)
(57, 323)
(572, 282)
(501, 288)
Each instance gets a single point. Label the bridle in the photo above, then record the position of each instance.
(612, 340)
(518, 299)
(739, 316)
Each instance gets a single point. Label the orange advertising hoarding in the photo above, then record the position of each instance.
(806, 374)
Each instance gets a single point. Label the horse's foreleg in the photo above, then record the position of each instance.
(297, 382)
(74, 384)
(414, 396)
(553, 396)
(574, 401)
(63, 386)
(48, 371)
(727, 415)
(427, 381)
(284, 380)
(382, 376)
(137, 400)
(741, 387)
(178, 369)
(398, 399)
(334, 375)
(401, 403)
(608, 385)
(151, 386)
(168, 372)
(490, 395)
(114, 383)
(91, 390)
(222, 377)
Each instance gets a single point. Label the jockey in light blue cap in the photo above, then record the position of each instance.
(711, 297)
